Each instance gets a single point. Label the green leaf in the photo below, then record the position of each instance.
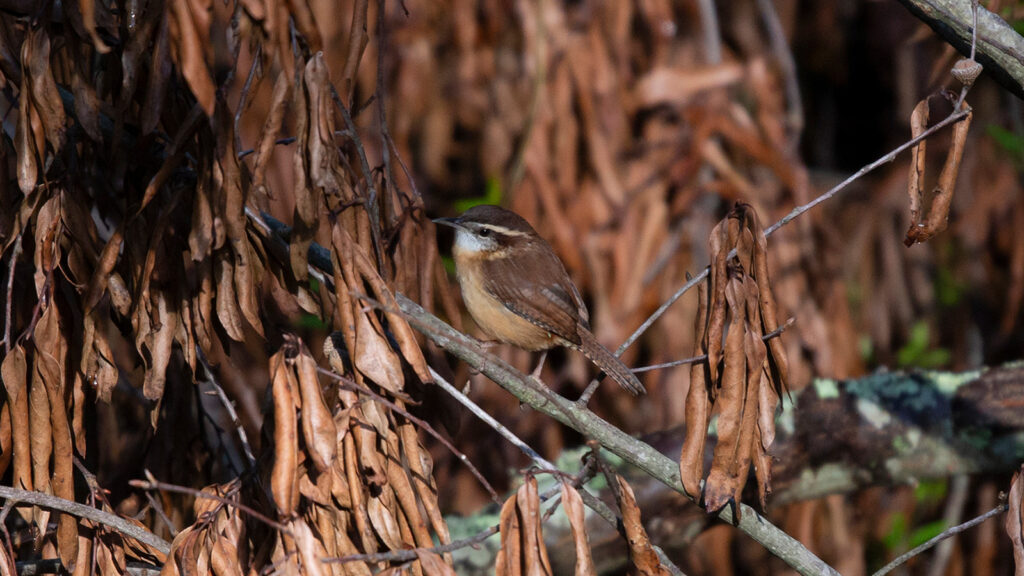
(492, 195)
(925, 533)
(449, 264)
(1010, 142)
(897, 533)
(310, 321)
(930, 491)
(917, 353)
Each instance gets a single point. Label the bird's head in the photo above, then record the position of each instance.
(488, 231)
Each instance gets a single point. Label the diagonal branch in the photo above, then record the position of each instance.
(89, 513)
(611, 438)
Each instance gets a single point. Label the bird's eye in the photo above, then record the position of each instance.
(484, 232)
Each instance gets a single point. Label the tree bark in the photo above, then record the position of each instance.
(834, 437)
(1000, 48)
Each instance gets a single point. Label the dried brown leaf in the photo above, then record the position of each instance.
(1015, 520)
(49, 370)
(159, 342)
(230, 205)
(283, 481)
(311, 551)
(768, 308)
(87, 106)
(43, 91)
(406, 495)
(676, 87)
(942, 194)
(189, 27)
(160, 71)
(509, 559)
(383, 513)
(721, 485)
(421, 469)
(573, 506)
(698, 405)
(14, 371)
(375, 358)
(226, 300)
(271, 128)
(644, 559)
(535, 552)
(358, 495)
(318, 428)
(915, 184)
(718, 247)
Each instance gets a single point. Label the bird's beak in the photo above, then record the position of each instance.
(452, 222)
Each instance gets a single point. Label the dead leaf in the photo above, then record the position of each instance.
(642, 556)
(283, 482)
(1015, 520)
(573, 506)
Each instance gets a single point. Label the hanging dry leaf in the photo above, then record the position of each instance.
(1015, 519)
(283, 481)
(643, 559)
(942, 195)
(14, 372)
(748, 379)
(573, 506)
(189, 26)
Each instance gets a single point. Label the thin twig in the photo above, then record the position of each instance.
(704, 357)
(539, 77)
(230, 408)
(370, 204)
(348, 384)
(15, 253)
(53, 566)
(89, 513)
(795, 114)
(954, 117)
(410, 554)
(162, 515)
(959, 491)
(245, 94)
(489, 420)
(382, 119)
(152, 484)
(903, 558)
(709, 28)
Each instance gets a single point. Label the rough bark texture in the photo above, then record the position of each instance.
(1000, 48)
(835, 437)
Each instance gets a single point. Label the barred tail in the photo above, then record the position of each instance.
(608, 362)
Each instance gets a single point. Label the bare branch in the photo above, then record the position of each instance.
(89, 513)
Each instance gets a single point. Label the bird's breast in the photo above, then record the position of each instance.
(493, 316)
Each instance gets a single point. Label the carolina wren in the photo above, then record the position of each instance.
(518, 291)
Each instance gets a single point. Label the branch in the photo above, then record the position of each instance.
(999, 49)
(902, 559)
(881, 430)
(89, 513)
(630, 449)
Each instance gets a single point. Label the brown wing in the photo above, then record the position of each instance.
(535, 286)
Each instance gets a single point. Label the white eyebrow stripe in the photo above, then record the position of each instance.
(503, 230)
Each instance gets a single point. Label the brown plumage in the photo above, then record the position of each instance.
(518, 291)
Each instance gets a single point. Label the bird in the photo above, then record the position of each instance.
(518, 291)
